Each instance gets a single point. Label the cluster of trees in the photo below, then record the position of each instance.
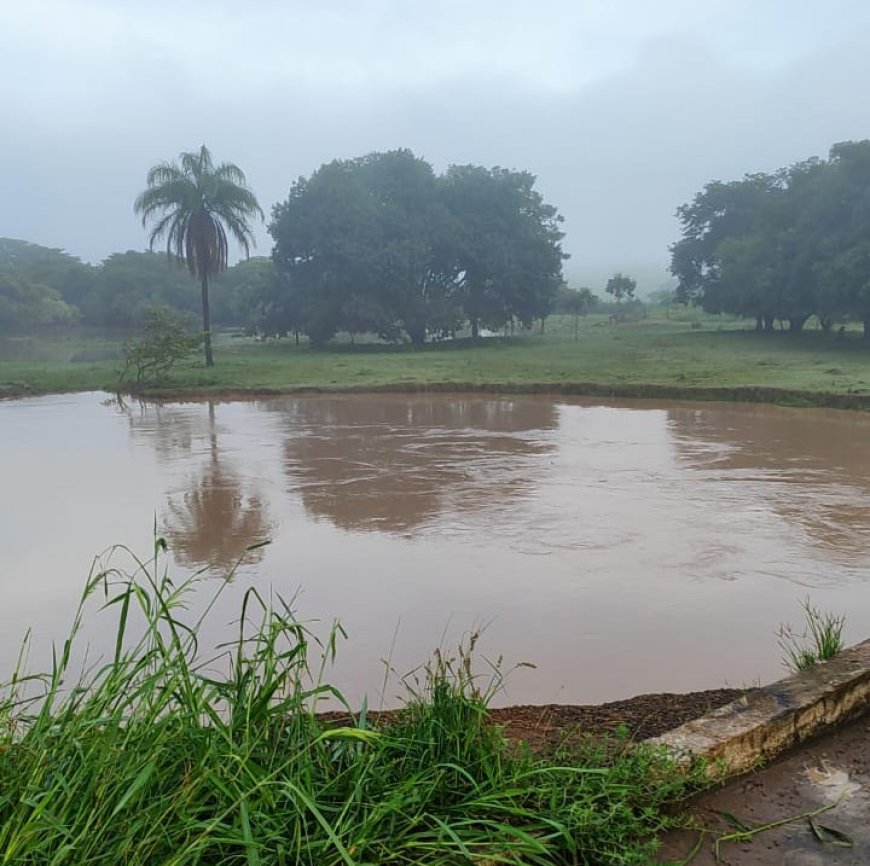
(378, 244)
(383, 245)
(44, 287)
(783, 246)
(37, 286)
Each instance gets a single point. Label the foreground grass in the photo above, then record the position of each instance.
(163, 756)
(675, 358)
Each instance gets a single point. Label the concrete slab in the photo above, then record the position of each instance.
(777, 717)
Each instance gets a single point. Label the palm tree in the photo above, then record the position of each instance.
(196, 205)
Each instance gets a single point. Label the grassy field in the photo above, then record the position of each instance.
(660, 356)
(165, 754)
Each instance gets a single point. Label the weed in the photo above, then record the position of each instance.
(822, 638)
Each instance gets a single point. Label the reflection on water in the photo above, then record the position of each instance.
(622, 548)
(392, 466)
(806, 467)
(219, 514)
(215, 521)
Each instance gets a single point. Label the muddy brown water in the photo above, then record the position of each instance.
(622, 548)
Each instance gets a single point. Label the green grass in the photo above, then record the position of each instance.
(164, 755)
(654, 357)
(821, 639)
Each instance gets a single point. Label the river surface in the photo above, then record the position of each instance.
(621, 548)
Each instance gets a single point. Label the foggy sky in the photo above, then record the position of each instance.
(622, 108)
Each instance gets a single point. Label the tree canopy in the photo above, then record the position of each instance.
(122, 290)
(621, 286)
(128, 286)
(40, 286)
(25, 305)
(782, 246)
(380, 244)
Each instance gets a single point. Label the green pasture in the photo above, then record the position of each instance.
(674, 356)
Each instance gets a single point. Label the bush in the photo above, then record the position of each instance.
(164, 342)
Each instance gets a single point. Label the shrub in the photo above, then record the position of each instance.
(164, 342)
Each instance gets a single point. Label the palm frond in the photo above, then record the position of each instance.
(163, 172)
(160, 228)
(230, 173)
(196, 206)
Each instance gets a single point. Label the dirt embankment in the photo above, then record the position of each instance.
(723, 394)
(544, 727)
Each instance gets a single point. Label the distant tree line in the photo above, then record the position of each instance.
(383, 245)
(783, 246)
(45, 287)
(377, 245)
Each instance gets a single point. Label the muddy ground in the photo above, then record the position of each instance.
(817, 799)
(643, 716)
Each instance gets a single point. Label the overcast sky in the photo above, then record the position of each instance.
(622, 108)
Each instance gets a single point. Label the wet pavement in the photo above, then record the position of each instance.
(826, 780)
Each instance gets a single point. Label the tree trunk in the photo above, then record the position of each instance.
(296, 336)
(206, 323)
(576, 323)
(826, 322)
(542, 323)
(759, 323)
(768, 324)
(796, 323)
(475, 329)
(417, 334)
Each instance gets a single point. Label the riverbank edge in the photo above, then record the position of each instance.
(768, 721)
(759, 394)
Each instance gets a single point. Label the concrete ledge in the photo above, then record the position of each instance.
(776, 717)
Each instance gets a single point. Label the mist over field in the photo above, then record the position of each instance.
(623, 110)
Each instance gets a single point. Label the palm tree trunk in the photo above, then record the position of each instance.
(206, 323)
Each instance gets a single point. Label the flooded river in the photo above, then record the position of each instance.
(621, 548)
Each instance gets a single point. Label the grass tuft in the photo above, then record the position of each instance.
(165, 754)
(821, 639)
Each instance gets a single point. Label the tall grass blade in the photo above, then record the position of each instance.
(164, 754)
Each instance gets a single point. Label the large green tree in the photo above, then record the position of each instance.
(330, 246)
(721, 213)
(841, 238)
(360, 246)
(785, 245)
(507, 245)
(197, 205)
(380, 244)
